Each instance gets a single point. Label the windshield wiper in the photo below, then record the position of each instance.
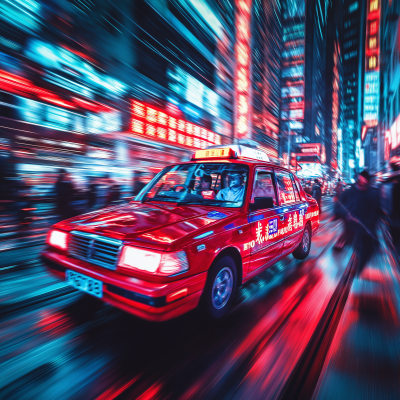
(160, 196)
(205, 202)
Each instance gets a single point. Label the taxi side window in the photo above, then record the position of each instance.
(264, 186)
(285, 185)
(296, 189)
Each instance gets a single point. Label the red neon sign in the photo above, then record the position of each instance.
(159, 125)
(242, 51)
(372, 64)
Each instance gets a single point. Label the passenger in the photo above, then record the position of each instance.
(264, 189)
(235, 191)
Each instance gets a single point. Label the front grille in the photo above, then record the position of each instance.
(96, 249)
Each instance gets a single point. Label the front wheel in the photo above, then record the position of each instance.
(303, 249)
(220, 288)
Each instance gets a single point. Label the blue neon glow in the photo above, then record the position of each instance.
(203, 235)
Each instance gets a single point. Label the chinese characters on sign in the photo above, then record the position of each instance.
(371, 84)
(157, 124)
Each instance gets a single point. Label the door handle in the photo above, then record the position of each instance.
(282, 217)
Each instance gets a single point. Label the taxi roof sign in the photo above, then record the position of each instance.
(230, 151)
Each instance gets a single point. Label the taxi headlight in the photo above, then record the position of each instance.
(153, 262)
(57, 239)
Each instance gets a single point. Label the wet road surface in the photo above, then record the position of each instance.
(302, 329)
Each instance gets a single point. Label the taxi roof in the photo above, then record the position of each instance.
(230, 152)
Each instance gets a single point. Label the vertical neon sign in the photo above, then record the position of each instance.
(335, 106)
(242, 74)
(371, 83)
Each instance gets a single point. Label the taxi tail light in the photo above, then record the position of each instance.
(58, 239)
(153, 262)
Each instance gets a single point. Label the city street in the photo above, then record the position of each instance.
(303, 329)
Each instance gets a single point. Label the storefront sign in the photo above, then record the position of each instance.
(311, 149)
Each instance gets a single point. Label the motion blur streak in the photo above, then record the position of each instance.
(56, 343)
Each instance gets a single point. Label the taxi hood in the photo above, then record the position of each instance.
(148, 223)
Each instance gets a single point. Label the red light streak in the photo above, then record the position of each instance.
(363, 132)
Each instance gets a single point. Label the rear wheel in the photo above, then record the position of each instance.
(220, 288)
(303, 249)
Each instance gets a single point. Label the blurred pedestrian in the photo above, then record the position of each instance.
(92, 194)
(114, 195)
(64, 195)
(338, 189)
(361, 210)
(317, 193)
(138, 184)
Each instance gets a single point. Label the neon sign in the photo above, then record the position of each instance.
(242, 75)
(335, 108)
(159, 125)
(311, 148)
(371, 82)
(394, 134)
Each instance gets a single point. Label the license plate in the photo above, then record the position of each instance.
(84, 283)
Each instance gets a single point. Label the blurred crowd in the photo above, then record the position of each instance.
(24, 205)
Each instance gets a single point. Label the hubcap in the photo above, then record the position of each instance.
(306, 240)
(222, 288)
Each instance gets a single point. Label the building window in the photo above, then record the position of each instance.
(372, 62)
(352, 54)
(372, 43)
(373, 5)
(348, 44)
(373, 28)
(353, 7)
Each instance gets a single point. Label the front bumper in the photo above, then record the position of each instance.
(147, 300)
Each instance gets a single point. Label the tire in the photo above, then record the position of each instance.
(218, 300)
(303, 249)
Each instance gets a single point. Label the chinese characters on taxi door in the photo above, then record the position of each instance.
(269, 230)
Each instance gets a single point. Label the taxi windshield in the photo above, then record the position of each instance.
(216, 184)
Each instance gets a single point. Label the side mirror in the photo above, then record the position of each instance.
(262, 203)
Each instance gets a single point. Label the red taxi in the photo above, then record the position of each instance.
(194, 234)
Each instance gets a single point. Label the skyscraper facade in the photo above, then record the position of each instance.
(353, 32)
(292, 86)
(266, 74)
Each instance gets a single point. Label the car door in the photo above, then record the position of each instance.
(265, 245)
(293, 209)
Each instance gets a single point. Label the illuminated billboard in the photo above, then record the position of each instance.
(310, 170)
(193, 90)
(371, 81)
(160, 126)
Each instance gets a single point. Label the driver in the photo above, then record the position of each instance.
(204, 183)
(235, 191)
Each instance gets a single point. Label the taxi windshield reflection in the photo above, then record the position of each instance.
(216, 184)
